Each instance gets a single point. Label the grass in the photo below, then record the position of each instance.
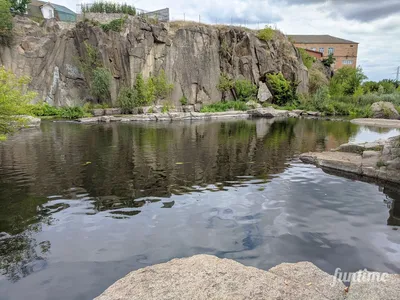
(46, 111)
(224, 106)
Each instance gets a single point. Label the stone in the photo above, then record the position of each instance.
(263, 92)
(268, 112)
(253, 104)
(112, 111)
(187, 108)
(98, 112)
(298, 111)
(209, 277)
(386, 289)
(197, 107)
(293, 115)
(313, 113)
(377, 122)
(384, 110)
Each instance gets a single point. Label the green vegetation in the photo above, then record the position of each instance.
(307, 59)
(13, 100)
(346, 81)
(108, 7)
(183, 100)
(166, 107)
(6, 24)
(145, 92)
(19, 6)
(329, 61)
(242, 89)
(42, 109)
(224, 106)
(115, 25)
(284, 91)
(266, 34)
(101, 82)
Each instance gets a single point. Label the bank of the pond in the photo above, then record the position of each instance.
(267, 112)
(209, 277)
(378, 160)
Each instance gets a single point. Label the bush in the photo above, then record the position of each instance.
(183, 100)
(74, 112)
(245, 90)
(114, 25)
(284, 91)
(18, 6)
(307, 59)
(317, 80)
(225, 84)
(100, 87)
(127, 99)
(329, 61)
(266, 34)
(140, 87)
(43, 109)
(108, 7)
(14, 100)
(163, 89)
(224, 106)
(6, 24)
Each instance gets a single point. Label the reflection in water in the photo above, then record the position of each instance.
(53, 178)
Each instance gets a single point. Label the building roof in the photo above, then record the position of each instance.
(37, 3)
(319, 39)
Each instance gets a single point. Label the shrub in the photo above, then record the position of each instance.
(183, 100)
(224, 106)
(19, 6)
(225, 83)
(166, 107)
(284, 91)
(150, 91)
(266, 34)
(127, 98)
(43, 109)
(163, 89)
(329, 61)
(108, 7)
(307, 59)
(6, 24)
(317, 80)
(114, 25)
(245, 89)
(140, 88)
(100, 87)
(346, 81)
(74, 112)
(14, 100)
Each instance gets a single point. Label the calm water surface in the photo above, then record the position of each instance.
(82, 205)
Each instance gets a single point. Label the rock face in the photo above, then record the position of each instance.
(384, 110)
(263, 92)
(209, 277)
(377, 160)
(192, 56)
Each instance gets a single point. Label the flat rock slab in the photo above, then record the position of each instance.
(377, 122)
(209, 277)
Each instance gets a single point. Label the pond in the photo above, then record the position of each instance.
(83, 205)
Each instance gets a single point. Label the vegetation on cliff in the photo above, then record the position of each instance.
(6, 24)
(13, 101)
(108, 7)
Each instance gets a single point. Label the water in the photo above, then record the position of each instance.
(86, 204)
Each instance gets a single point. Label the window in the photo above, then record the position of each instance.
(314, 49)
(321, 50)
(347, 62)
(331, 50)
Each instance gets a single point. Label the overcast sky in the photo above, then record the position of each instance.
(375, 24)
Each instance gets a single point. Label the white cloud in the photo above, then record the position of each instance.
(374, 24)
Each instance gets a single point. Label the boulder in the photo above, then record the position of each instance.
(268, 112)
(112, 111)
(384, 110)
(209, 277)
(253, 104)
(97, 112)
(377, 123)
(263, 92)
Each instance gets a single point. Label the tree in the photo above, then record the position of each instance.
(346, 81)
(13, 100)
(19, 6)
(329, 61)
(100, 87)
(5, 22)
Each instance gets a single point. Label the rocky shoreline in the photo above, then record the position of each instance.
(377, 160)
(209, 277)
(267, 112)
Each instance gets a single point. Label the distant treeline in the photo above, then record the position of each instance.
(108, 7)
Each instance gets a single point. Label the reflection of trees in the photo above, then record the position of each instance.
(393, 202)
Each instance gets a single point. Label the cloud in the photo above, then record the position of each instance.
(360, 10)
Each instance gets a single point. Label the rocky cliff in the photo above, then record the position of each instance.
(192, 56)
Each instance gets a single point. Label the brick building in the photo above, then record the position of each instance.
(344, 51)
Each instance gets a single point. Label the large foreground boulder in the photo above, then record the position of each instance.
(209, 277)
(384, 110)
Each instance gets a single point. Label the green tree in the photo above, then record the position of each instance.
(163, 89)
(346, 81)
(13, 100)
(283, 90)
(140, 88)
(329, 61)
(100, 87)
(5, 22)
(19, 6)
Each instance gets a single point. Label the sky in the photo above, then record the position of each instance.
(374, 24)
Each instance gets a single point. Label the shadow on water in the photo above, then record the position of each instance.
(119, 170)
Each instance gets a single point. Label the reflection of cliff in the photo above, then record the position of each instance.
(393, 202)
(157, 159)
